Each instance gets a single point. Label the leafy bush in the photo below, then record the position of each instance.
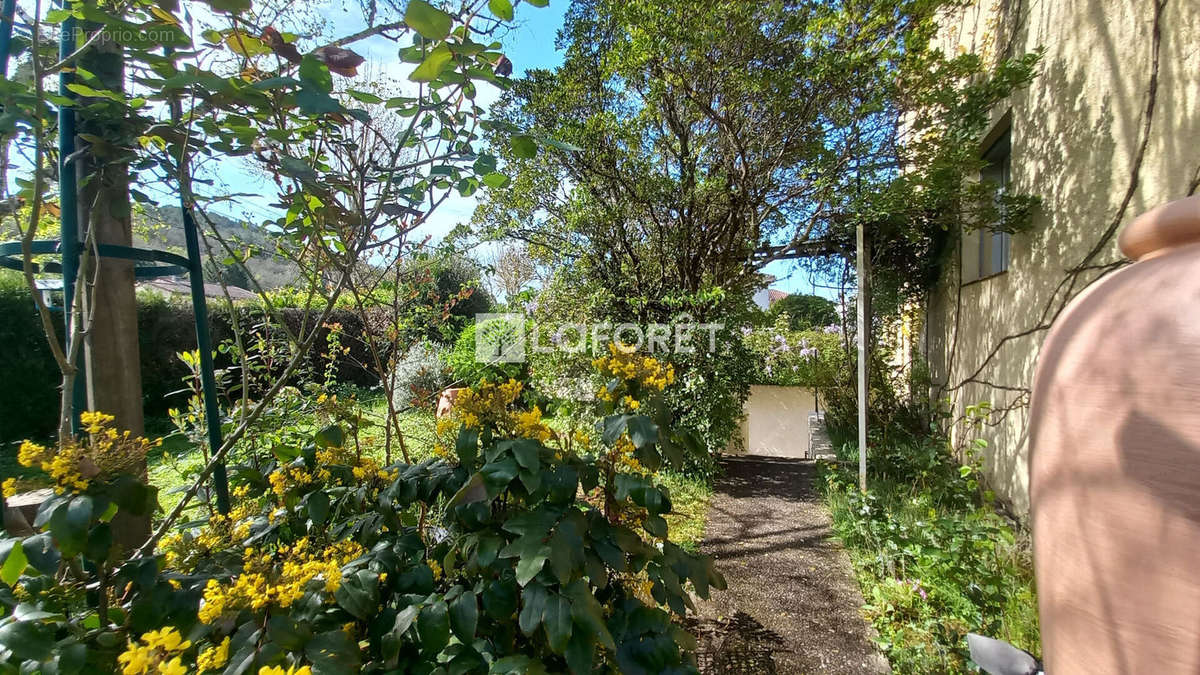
(420, 375)
(31, 399)
(165, 329)
(933, 557)
(805, 312)
(808, 358)
(485, 562)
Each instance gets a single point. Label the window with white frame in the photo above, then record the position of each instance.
(986, 252)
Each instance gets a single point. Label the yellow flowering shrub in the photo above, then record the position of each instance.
(278, 579)
(159, 651)
(624, 364)
(213, 658)
(104, 452)
(329, 561)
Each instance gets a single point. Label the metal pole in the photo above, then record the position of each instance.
(208, 381)
(68, 199)
(6, 26)
(212, 411)
(860, 267)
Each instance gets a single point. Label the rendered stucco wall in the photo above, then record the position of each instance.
(776, 421)
(1077, 134)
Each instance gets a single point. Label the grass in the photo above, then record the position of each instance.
(689, 509)
(933, 558)
(172, 470)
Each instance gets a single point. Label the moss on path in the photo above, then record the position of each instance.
(792, 605)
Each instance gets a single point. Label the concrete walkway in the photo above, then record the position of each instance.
(792, 604)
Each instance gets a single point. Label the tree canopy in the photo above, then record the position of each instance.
(701, 141)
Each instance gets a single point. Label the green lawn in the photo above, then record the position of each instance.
(172, 468)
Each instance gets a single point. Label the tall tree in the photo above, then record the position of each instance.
(705, 140)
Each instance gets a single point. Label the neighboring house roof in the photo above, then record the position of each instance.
(182, 287)
(774, 295)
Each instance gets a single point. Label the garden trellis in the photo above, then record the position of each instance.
(148, 263)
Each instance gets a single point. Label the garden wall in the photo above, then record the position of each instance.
(776, 421)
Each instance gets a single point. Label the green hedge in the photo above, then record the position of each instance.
(29, 396)
(29, 401)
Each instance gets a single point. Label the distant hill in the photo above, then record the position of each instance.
(162, 228)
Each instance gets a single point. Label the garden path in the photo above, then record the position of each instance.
(793, 604)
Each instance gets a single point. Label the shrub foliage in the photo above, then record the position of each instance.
(524, 550)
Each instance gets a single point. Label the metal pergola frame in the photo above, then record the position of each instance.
(156, 263)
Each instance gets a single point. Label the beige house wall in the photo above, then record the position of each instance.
(1077, 133)
(775, 423)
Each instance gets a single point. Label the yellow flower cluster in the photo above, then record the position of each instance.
(10, 487)
(65, 465)
(622, 456)
(626, 365)
(530, 425)
(279, 670)
(263, 581)
(183, 550)
(488, 403)
(363, 467)
(214, 658)
(288, 477)
(153, 653)
(492, 405)
(73, 464)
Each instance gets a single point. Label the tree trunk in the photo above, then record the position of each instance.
(114, 381)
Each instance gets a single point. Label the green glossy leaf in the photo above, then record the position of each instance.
(464, 616)
(331, 436)
(317, 504)
(433, 625)
(315, 74)
(524, 146)
(13, 555)
(333, 652)
(587, 612)
(580, 652)
(405, 619)
(70, 525)
(233, 6)
(28, 640)
(497, 475)
(363, 97)
(467, 445)
(642, 431)
(526, 453)
(557, 620)
(656, 526)
(431, 22)
(503, 9)
(500, 598)
(99, 543)
(495, 179)
(614, 426)
(316, 102)
(529, 565)
(533, 607)
(359, 594)
(433, 65)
